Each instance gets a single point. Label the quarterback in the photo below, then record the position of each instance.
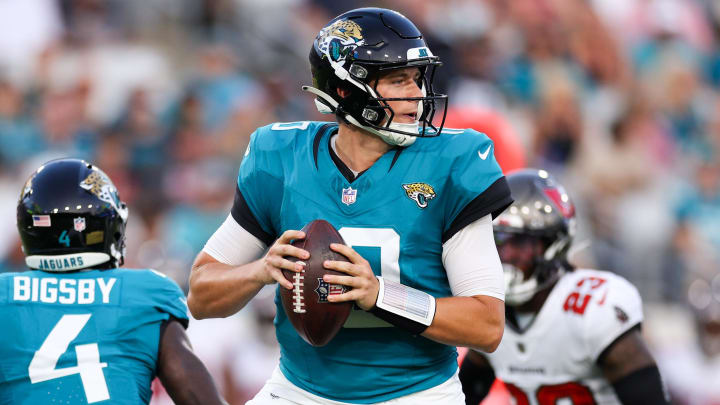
(572, 335)
(413, 201)
(78, 329)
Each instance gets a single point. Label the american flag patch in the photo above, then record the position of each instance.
(41, 220)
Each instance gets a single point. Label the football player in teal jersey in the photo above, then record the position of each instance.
(77, 329)
(413, 201)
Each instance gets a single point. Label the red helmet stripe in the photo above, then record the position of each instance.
(567, 209)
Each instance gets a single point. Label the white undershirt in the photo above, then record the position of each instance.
(470, 258)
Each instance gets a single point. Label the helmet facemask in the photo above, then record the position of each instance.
(542, 213)
(542, 270)
(379, 115)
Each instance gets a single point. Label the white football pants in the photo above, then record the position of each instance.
(278, 390)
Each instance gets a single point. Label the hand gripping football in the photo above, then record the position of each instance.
(315, 319)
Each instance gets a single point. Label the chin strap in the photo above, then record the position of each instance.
(321, 95)
(517, 290)
(327, 105)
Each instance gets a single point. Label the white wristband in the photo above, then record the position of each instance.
(407, 302)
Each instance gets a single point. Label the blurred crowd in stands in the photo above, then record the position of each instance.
(620, 99)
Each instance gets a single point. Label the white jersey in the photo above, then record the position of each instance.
(556, 356)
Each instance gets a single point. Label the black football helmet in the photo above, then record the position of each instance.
(352, 51)
(70, 217)
(542, 209)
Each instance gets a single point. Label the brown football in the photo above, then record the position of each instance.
(315, 319)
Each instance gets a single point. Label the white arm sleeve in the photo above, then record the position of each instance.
(232, 244)
(472, 262)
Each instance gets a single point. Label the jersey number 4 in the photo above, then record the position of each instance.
(44, 362)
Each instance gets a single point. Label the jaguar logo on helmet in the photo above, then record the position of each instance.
(339, 39)
(27, 189)
(421, 193)
(98, 184)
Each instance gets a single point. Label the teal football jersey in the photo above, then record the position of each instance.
(396, 214)
(86, 337)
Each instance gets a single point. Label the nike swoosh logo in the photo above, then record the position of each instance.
(484, 155)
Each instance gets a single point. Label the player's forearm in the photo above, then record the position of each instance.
(218, 290)
(476, 322)
(182, 373)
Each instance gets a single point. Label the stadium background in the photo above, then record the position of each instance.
(617, 98)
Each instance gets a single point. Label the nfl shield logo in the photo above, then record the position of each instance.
(348, 195)
(79, 224)
(325, 289)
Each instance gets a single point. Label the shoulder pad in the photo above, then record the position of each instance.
(607, 304)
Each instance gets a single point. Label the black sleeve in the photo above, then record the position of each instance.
(243, 216)
(641, 387)
(493, 201)
(184, 322)
(401, 322)
(476, 381)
